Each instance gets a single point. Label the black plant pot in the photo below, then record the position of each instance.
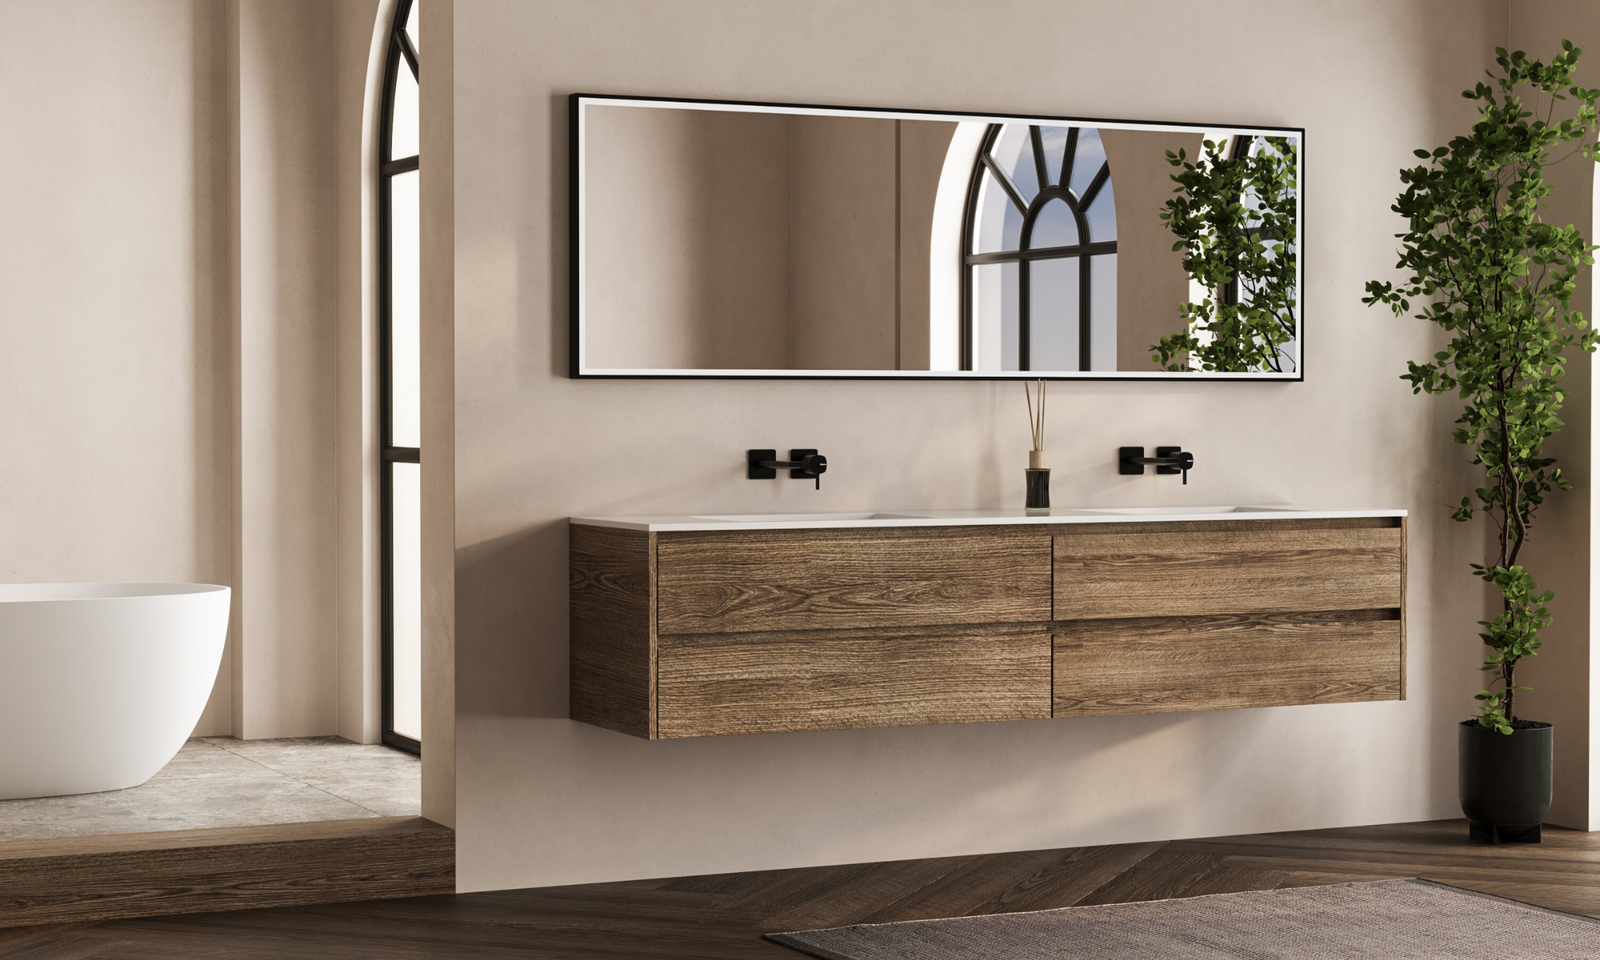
(1506, 780)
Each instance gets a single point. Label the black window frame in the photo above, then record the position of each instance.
(400, 51)
(1024, 255)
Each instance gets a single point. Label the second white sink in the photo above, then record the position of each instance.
(1161, 511)
(804, 517)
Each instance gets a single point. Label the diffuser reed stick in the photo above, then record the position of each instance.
(1036, 456)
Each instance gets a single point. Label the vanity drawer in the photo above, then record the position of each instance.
(1191, 569)
(847, 579)
(1218, 663)
(709, 685)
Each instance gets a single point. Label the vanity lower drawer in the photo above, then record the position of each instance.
(1260, 566)
(717, 684)
(849, 579)
(1225, 662)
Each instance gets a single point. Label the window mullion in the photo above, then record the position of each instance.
(410, 53)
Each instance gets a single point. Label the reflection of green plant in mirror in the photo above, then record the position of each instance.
(1234, 218)
(1500, 281)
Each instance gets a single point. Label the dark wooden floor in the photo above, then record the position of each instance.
(90, 879)
(717, 917)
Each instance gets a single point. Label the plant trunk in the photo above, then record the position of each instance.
(1508, 671)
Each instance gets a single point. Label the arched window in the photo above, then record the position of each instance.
(1039, 252)
(400, 387)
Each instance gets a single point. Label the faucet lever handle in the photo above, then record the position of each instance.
(1181, 462)
(811, 464)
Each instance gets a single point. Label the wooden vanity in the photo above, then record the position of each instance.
(686, 629)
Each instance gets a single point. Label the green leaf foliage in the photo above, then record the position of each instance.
(1235, 218)
(1482, 264)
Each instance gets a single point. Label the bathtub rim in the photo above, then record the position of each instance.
(85, 591)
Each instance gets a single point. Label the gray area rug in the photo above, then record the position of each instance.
(1386, 920)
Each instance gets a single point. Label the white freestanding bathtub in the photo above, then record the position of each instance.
(101, 683)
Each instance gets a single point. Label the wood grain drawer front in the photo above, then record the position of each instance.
(1273, 567)
(817, 580)
(719, 684)
(1216, 663)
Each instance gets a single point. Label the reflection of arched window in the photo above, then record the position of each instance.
(399, 385)
(1040, 252)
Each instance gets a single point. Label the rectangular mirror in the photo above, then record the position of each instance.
(719, 239)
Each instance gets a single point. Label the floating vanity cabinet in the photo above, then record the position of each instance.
(683, 629)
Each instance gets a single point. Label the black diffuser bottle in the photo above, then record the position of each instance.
(1038, 502)
(1038, 474)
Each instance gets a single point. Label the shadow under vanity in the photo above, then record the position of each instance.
(694, 626)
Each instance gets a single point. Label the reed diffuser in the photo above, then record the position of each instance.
(1038, 465)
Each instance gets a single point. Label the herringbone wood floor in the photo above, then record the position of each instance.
(717, 917)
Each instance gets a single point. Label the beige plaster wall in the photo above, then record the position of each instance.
(362, 37)
(303, 104)
(479, 266)
(863, 195)
(844, 192)
(923, 147)
(757, 241)
(1562, 674)
(543, 800)
(285, 663)
(1151, 281)
(689, 239)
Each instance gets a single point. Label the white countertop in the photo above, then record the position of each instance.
(956, 518)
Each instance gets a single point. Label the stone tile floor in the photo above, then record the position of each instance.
(223, 782)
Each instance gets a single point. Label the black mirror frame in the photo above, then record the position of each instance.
(577, 370)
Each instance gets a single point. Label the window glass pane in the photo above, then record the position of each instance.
(405, 383)
(404, 140)
(407, 612)
(999, 222)
(1056, 226)
(994, 316)
(1091, 156)
(1013, 151)
(1252, 197)
(1053, 314)
(1102, 215)
(1103, 312)
(1290, 143)
(414, 27)
(1055, 147)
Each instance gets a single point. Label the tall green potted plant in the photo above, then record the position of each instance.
(1485, 267)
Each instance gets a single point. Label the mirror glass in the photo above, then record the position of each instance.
(717, 239)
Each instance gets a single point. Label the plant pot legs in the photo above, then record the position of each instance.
(1503, 833)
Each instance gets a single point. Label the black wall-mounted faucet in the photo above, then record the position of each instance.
(802, 465)
(1131, 461)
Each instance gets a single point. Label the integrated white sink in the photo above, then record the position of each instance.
(804, 517)
(1161, 511)
(965, 518)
